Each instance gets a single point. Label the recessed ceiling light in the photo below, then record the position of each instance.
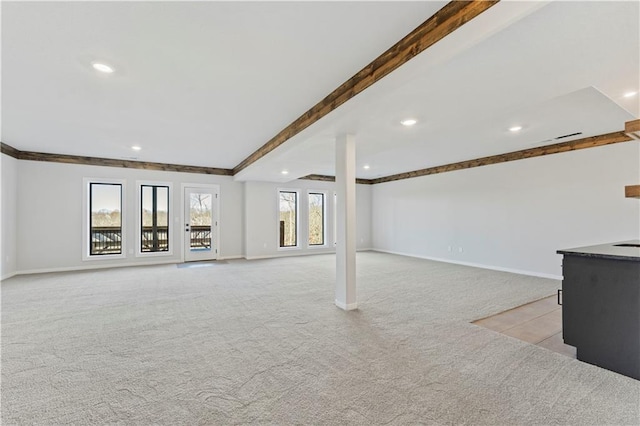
(409, 122)
(285, 172)
(630, 94)
(515, 128)
(366, 167)
(136, 148)
(102, 67)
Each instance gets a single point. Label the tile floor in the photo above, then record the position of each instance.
(539, 323)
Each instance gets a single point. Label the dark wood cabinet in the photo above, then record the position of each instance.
(601, 307)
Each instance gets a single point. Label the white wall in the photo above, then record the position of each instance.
(50, 206)
(261, 220)
(515, 215)
(511, 216)
(8, 216)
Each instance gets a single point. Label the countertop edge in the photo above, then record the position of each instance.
(599, 255)
(606, 251)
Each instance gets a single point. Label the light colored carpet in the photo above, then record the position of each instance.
(262, 342)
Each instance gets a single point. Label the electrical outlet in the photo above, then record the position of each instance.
(449, 248)
(460, 249)
(264, 245)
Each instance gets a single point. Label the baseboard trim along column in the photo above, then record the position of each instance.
(347, 307)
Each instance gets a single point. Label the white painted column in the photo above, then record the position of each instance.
(346, 222)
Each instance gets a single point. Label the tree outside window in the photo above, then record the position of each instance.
(288, 218)
(316, 219)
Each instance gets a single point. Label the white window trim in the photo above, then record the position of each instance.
(324, 219)
(138, 251)
(86, 222)
(298, 245)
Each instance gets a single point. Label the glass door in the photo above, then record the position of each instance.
(200, 223)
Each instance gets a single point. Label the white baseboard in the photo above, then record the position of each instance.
(346, 306)
(274, 256)
(476, 265)
(231, 257)
(290, 253)
(151, 263)
(7, 276)
(123, 265)
(94, 266)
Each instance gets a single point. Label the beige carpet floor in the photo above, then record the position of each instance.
(261, 342)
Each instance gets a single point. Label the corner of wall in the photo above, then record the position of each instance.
(8, 216)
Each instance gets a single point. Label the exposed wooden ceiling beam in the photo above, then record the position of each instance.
(9, 150)
(632, 128)
(590, 142)
(327, 178)
(632, 191)
(109, 162)
(451, 17)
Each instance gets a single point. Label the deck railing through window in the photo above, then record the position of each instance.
(200, 237)
(108, 239)
(148, 241)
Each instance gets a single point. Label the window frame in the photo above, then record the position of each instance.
(324, 219)
(86, 215)
(170, 231)
(297, 246)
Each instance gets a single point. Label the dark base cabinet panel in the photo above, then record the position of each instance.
(601, 312)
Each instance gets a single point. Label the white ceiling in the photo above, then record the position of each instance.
(196, 83)
(208, 83)
(554, 68)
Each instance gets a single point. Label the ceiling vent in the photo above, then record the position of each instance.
(568, 136)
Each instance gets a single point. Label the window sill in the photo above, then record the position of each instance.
(317, 246)
(154, 254)
(103, 257)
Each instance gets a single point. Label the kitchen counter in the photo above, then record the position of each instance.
(601, 305)
(608, 251)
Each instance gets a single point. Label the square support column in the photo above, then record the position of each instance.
(346, 222)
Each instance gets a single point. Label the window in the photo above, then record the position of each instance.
(105, 218)
(154, 218)
(288, 218)
(316, 219)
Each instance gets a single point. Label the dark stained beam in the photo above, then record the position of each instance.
(591, 142)
(9, 150)
(632, 191)
(109, 162)
(325, 178)
(451, 17)
(632, 128)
